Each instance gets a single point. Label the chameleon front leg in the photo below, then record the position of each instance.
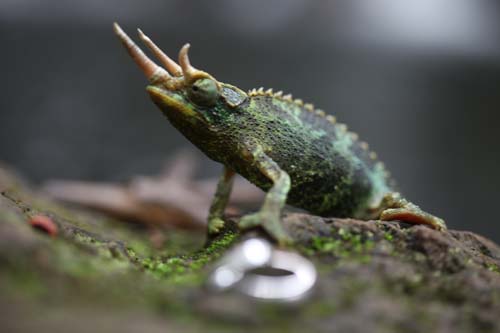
(220, 200)
(269, 216)
(394, 207)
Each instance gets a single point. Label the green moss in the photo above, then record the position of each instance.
(388, 236)
(85, 238)
(183, 268)
(21, 282)
(493, 268)
(321, 309)
(344, 244)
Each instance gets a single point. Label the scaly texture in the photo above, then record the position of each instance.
(332, 172)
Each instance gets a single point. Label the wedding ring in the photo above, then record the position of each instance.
(257, 270)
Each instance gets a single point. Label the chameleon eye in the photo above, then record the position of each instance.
(204, 92)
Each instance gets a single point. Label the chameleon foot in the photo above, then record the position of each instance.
(270, 224)
(215, 224)
(396, 208)
(219, 202)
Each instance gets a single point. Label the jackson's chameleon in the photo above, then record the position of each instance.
(298, 154)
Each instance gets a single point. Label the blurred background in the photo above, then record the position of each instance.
(419, 80)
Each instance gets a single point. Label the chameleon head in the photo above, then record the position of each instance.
(193, 100)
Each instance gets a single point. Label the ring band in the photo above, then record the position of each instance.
(244, 267)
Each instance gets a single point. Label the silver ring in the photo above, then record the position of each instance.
(255, 269)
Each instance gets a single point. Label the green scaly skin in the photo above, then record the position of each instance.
(295, 153)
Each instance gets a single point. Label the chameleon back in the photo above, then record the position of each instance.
(332, 173)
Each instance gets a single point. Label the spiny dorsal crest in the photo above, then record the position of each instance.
(289, 98)
(318, 112)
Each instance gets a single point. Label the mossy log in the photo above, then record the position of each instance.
(99, 274)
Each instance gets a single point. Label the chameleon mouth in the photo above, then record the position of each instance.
(173, 76)
(168, 100)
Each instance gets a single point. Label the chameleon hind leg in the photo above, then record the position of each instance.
(220, 200)
(269, 216)
(393, 207)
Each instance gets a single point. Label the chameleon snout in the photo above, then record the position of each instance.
(169, 101)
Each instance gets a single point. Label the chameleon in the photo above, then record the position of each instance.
(297, 154)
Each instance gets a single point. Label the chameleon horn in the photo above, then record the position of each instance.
(190, 73)
(169, 64)
(148, 67)
(187, 69)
